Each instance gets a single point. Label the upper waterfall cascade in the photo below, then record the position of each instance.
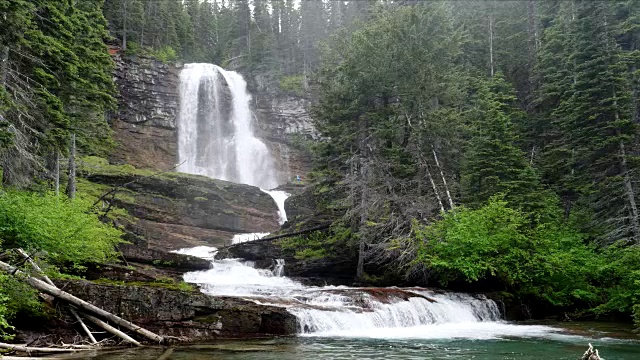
(215, 128)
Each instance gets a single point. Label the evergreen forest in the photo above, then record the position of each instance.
(487, 146)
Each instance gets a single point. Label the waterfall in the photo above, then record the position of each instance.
(278, 269)
(215, 128)
(347, 311)
(279, 197)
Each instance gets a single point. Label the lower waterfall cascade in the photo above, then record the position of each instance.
(359, 312)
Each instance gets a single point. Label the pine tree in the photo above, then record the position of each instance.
(493, 164)
(593, 122)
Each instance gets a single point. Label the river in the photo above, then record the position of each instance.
(560, 346)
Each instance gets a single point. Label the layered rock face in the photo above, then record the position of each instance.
(173, 210)
(145, 124)
(190, 315)
(284, 121)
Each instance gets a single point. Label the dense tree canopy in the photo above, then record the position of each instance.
(461, 140)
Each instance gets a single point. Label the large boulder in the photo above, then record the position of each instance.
(170, 211)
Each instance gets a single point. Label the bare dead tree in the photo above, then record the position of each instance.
(71, 185)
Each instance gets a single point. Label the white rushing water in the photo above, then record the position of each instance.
(279, 197)
(340, 311)
(215, 128)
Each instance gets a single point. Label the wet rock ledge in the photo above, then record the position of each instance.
(193, 316)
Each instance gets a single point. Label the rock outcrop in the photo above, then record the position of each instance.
(335, 270)
(284, 122)
(191, 315)
(144, 125)
(170, 211)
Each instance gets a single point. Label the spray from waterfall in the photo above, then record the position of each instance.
(215, 128)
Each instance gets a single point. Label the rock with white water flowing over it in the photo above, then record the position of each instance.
(215, 129)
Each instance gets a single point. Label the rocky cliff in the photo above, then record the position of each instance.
(145, 124)
(169, 211)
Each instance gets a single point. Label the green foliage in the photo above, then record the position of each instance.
(98, 165)
(292, 84)
(17, 300)
(4, 310)
(493, 163)
(65, 230)
(165, 54)
(309, 246)
(547, 260)
(57, 80)
(620, 271)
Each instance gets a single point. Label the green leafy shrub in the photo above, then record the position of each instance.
(65, 230)
(17, 300)
(292, 84)
(620, 275)
(546, 260)
(165, 54)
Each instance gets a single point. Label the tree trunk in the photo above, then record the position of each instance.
(4, 65)
(491, 65)
(363, 216)
(124, 24)
(71, 185)
(85, 306)
(111, 329)
(48, 281)
(631, 195)
(56, 174)
(364, 193)
(444, 180)
(29, 349)
(435, 189)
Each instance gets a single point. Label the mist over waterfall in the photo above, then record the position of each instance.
(215, 128)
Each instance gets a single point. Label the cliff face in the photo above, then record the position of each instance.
(284, 121)
(145, 124)
(172, 210)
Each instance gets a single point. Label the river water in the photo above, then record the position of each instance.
(558, 346)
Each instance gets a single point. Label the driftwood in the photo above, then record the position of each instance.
(48, 281)
(111, 329)
(81, 304)
(29, 349)
(591, 354)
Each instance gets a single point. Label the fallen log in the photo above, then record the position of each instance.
(281, 236)
(29, 349)
(111, 329)
(48, 281)
(81, 304)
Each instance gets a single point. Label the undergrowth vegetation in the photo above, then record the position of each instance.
(66, 233)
